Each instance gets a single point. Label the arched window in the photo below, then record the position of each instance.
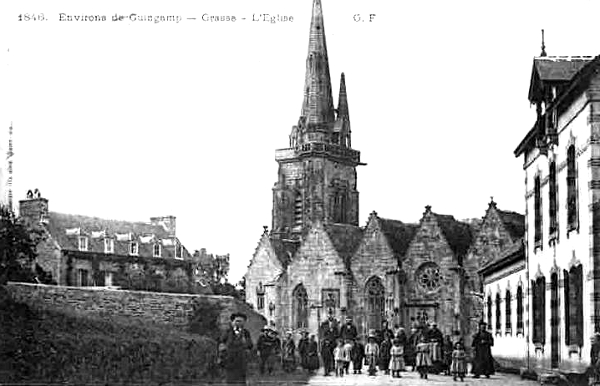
(572, 217)
(300, 304)
(520, 309)
(537, 192)
(375, 296)
(489, 312)
(552, 192)
(575, 306)
(539, 310)
(508, 313)
(498, 314)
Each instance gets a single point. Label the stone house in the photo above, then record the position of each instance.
(562, 192)
(316, 261)
(88, 251)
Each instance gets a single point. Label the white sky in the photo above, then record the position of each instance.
(132, 120)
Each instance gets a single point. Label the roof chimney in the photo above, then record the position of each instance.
(34, 208)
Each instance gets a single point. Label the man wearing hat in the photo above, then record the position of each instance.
(303, 349)
(348, 330)
(268, 348)
(234, 344)
(483, 363)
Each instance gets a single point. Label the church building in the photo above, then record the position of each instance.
(317, 261)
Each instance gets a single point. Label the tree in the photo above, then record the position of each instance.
(215, 268)
(18, 244)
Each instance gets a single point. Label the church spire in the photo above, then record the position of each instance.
(342, 123)
(317, 108)
(343, 99)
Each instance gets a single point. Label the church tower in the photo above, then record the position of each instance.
(317, 172)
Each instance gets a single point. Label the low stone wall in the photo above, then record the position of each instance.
(163, 308)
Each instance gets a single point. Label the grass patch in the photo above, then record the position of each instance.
(54, 347)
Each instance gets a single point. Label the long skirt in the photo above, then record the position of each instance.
(458, 367)
(397, 363)
(312, 361)
(423, 359)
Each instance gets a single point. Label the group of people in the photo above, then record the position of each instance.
(270, 349)
(425, 349)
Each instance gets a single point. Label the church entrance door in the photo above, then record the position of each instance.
(375, 297)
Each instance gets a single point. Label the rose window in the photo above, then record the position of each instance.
(429, 277)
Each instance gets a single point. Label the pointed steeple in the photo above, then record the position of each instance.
(343, 99)
(317, 108)
(342, 123)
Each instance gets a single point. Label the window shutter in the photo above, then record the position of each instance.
(568, 307)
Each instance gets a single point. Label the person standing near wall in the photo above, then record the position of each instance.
(483, 363)
(234, 344)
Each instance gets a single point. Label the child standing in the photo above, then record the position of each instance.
(397, 360)
(372, 353)
(338, 355)
(459, 363)
(423, 358)
(357, 355)
(347, 355)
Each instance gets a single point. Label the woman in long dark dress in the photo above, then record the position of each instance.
(327, 356)
(385, 353)
(312, 355)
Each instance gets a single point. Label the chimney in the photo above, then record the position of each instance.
(167, 222)
(34, 208)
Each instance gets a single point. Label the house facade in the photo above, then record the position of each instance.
(562, 190)
(88, 251)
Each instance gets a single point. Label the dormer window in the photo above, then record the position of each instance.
(133, 248)
(156, 250)
(83, 244)
(109, 246)
(178, 251)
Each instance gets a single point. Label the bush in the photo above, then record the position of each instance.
(54, 347)
(205, 318)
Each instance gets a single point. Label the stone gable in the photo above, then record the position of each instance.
(265, 269)
(432, 282)
(374, 258)
(317, 266)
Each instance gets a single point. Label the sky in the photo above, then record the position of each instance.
(134, 119)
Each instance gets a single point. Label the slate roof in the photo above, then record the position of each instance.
(61, 227)
(345, 239)
(398, 234)
(513, 222)
(511, 254)
(459, 235)
(559, 68)
(284, 250)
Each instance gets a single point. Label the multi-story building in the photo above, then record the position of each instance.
(89, 251)
(561, 160)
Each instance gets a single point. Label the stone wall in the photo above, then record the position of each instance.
(163, 308)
